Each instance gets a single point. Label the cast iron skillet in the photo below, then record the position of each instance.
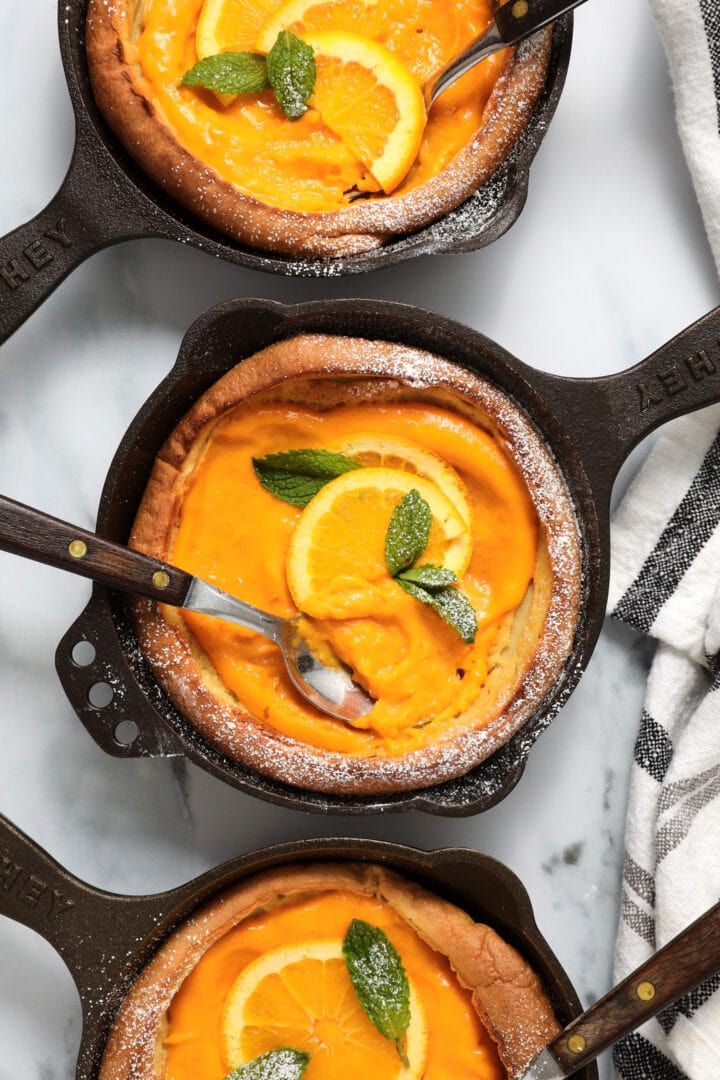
(589, 424)
(106, 940)
(105, 198)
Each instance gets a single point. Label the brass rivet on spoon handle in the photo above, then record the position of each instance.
(78, 549)
(645, 991)
(577, 1044)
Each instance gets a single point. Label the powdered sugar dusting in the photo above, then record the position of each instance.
(358, 370)
(473, 199)
(507, 994)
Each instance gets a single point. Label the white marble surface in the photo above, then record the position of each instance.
(607, 261)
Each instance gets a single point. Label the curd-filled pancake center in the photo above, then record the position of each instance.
(422, 645)
(275, 981)
(364, 132)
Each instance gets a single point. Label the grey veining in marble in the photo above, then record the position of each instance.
(611, 213)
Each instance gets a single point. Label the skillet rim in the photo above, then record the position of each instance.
(213, 334)
(453, 873)
(152, 213)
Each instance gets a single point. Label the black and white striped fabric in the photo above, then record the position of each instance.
(666, 582)
(690, 30)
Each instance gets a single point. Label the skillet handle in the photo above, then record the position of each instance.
(36, 257)
(39, 893)
(689, 959)
(36, 891)
(609, 416)
(679, 377)
(93, 931)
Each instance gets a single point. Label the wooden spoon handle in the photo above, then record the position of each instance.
(688, 960)
(45, 539)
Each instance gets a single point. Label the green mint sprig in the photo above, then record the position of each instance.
(289, 69)
(296, 476)
(379, 980)
(408, 532)
(292, 72)
(450, 604)
(405, 542)
(230, 73)
(282, 1064)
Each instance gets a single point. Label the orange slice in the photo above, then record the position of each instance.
(305, 16)
(371, 100)
(301, 996)
(231, 25)
(338, 546)
(368, 97)
(390, 453)
(425, 36)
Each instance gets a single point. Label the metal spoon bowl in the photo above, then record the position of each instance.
(330, 688)
(38, 536)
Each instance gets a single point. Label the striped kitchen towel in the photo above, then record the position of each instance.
(690, 31)
(666, 582)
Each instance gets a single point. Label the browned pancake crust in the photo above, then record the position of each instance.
(124, 99)
(324, 371)
(506, 992)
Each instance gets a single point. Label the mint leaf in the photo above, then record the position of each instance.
(450, 604)
(283, 1064)
(230, 73)
(296, 476)
(408, 532)
(379, 980)
(292, 73)
(428, 576)
(405, 541)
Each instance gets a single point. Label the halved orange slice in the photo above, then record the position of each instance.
(311, 16)
(301, 996)
(368, 97)
(371, 100)
(231, 25)
(373, 450)
(338, 546)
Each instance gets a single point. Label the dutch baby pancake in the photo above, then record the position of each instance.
(327, 971)
(354, 161)
(410, 513)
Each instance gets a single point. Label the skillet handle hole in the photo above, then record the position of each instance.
(83, 654)
(126, 733)
(100, 695)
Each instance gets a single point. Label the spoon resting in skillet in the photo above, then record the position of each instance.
(34, 535)
(589, 426)
(689, 959)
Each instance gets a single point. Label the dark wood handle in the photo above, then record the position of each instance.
(688, 960)
(45, 539)
(518, 18)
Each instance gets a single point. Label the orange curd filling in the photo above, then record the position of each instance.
(458, 1044)
(302, 165)
(237, 535)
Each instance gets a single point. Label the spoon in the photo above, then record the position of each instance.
(689, 959)
(513, 22)
(35, 535)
